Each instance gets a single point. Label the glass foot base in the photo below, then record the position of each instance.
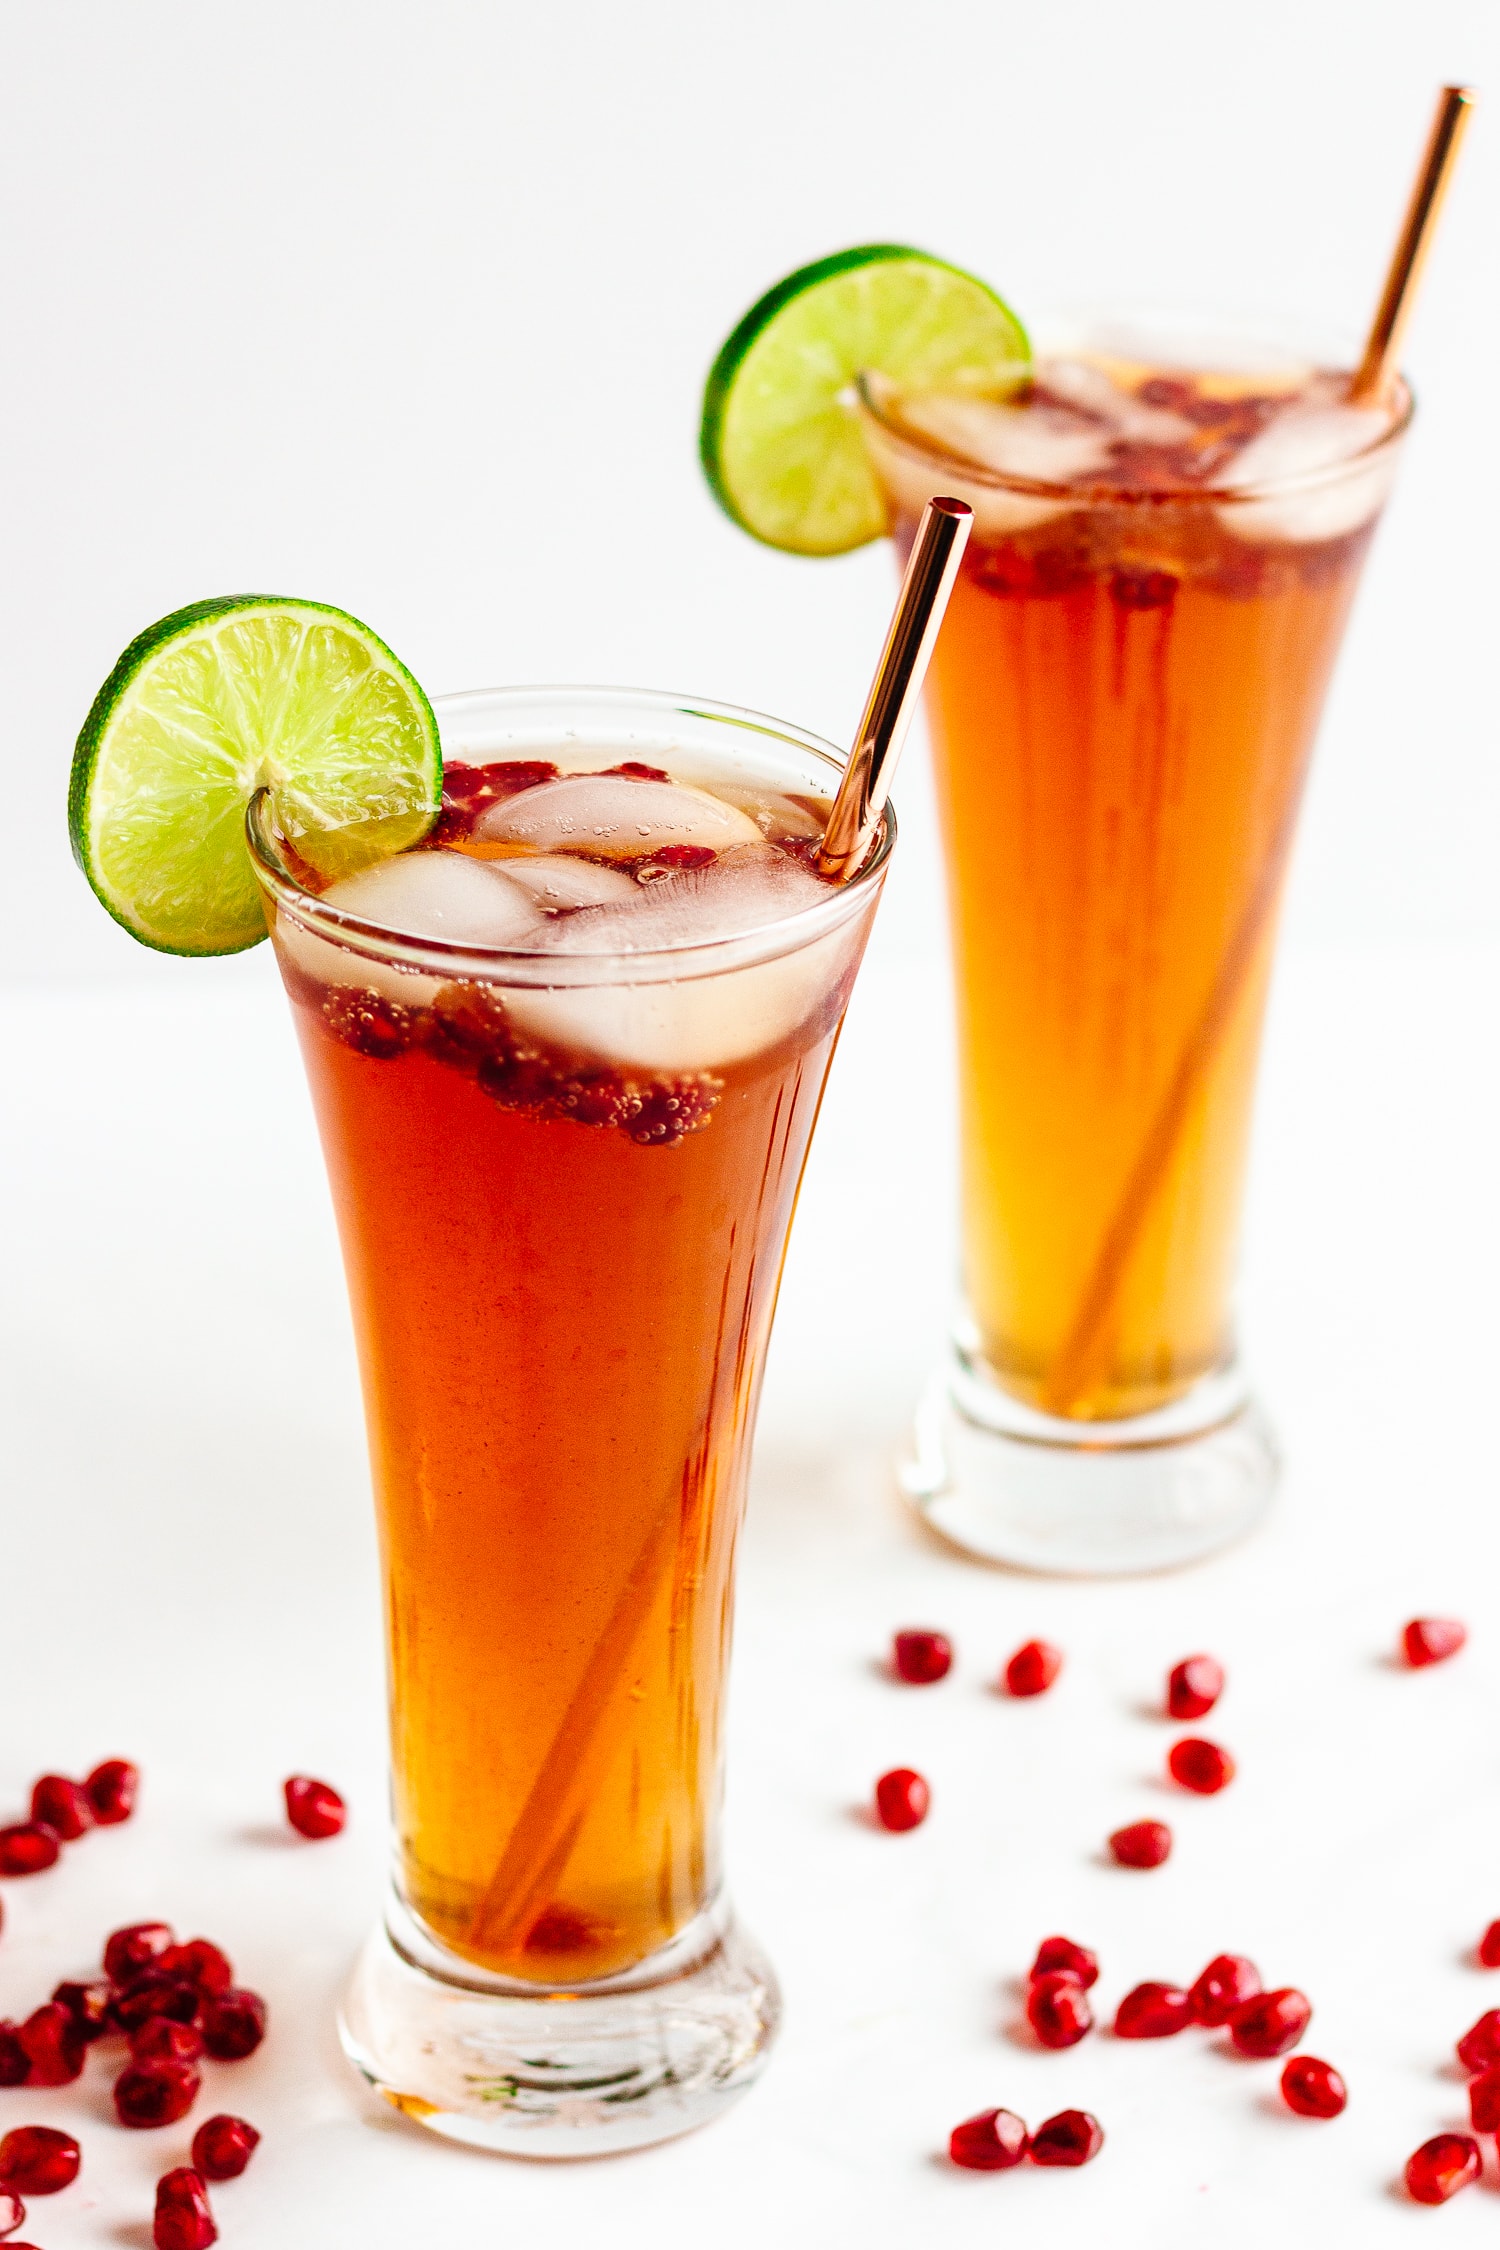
(578, 2071)
(1097, 1499)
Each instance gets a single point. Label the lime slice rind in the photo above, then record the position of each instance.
(214, 702)
(780, 439)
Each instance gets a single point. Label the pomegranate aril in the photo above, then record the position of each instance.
(183, 2219)
(1484, 2100)
(112, 1791)
(1427, 1640)
(1480, 2044)
(314, 1808)
(161, 2040)
(12, 2212)
(15, 2063)
(198, 1963)
(1194, 1687)
(1271, 2023)
(148, 2094)
(1441, 2166)
(1227, 1982)
(234, 2024)
(1071, 2137)
(54, 2046)
(633, 770)
(674, 859)
(1058, 2011)
(921, 1658)
(63, 1805)
(991, 2142)
(89, 2006)
(152, 1994)
(1200, 1766)
(1033, 1668)
(1145, 1843)
(1153, 2011)
(902, 1798)
(1059, 1955)
(28, 1847)
(1313, 2088)
(1489, 1947)
(223, 2146)
(38, 2160)
(135, 1947)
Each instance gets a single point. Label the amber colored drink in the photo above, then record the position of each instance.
(1122, 705)
(563, 1263)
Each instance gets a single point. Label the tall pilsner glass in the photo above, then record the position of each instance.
(1122, 706)
(564, 1183)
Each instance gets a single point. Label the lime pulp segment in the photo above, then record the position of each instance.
(215, 702)
(780, 442)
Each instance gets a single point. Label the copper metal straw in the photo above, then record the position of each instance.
(1455, 106)
(936, 554)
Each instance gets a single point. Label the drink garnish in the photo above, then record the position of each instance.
(780, 441)
(215, 702)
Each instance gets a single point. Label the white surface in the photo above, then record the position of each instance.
(190, 1582)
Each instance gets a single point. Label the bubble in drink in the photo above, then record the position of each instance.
(611, 817)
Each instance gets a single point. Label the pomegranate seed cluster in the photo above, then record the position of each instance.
(997, 2139)
(62, 1811)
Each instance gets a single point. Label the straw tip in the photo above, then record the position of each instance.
(945, 505)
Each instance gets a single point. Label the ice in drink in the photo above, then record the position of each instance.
(1122, 704)
(566, 1063)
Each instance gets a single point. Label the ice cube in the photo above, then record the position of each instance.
(699, 1021)
(437, 894)
(612, 817)
(1037, 443)
(1088, 387)
(557, 884)
(1301, 441)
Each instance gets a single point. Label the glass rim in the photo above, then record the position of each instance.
(1101, 493)
(462, 961)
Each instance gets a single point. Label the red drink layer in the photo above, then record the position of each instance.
(1122, 704)
(563, 1213)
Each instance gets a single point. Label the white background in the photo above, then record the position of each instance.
(408, 309)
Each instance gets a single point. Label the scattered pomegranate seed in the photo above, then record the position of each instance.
(15, 2063)
(1071, 2137)
(1441, 2166)
(54, 2046)
(1313, 2088)
(1227, 1982)
(1145, 1843)
(635, 771)
(234, 2024)
(1059, 1955)
(128, 1951)
(27, 1847)
(921, 1658)
(1058, 2011)
(1489, 1947)
(12, 2212)
(1194, 1687)
(1271, 2023)
(1200, 1766)
(991, 2142)
(152, 1994)
(183, 2219)
(1484, 2100)
(1480, 2044)
(63, 1805)
(313, 1808)
(902, 1798)
(1427, 1641)
(112, 1790)
(161, 2040)
(148, 2094)
(1032, 1670)
(197, 1963)
(223, 2146)
(1153, 2011)
(88, 2005)
(38, 2160)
